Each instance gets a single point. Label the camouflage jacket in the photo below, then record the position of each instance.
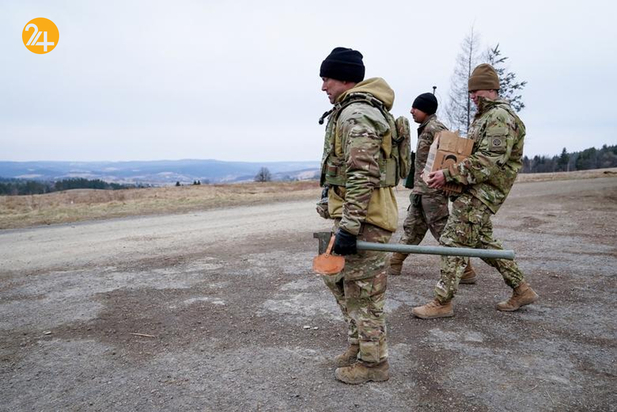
(426, 134)
(490, 171)
(353, 144)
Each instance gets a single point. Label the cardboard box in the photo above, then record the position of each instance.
(447, 149)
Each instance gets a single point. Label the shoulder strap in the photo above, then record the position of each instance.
(351, 99)
(363, 98)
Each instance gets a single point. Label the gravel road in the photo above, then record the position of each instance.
(219, 311)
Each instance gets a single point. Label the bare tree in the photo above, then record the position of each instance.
(459, 109)
(510, 88)
(263, 175)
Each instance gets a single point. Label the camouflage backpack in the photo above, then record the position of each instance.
(398, 164)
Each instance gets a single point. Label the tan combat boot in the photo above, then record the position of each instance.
(395, 263)
(469, 276)
(522, 295)
(349, 357)
(361, 372)
(434, 309)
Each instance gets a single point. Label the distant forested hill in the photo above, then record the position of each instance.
(160, 172)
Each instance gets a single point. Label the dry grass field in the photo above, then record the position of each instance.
(582, 174)
(90, 204)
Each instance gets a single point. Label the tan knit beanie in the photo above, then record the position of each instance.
(483, 77)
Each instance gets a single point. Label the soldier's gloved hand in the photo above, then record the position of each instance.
(344, 243)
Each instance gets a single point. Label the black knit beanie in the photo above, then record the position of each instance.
(343, 64)
(427, 102)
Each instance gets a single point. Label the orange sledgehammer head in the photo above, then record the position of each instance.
(328, 264)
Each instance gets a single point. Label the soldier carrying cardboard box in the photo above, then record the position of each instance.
(428, 209)
(487, 177)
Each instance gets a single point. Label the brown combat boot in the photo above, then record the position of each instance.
(522, 295)
(434, 309)
(395, 263)
(349, 357)
(361, 372)
(469, 276)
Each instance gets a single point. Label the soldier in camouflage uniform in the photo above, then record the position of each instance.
(362, 205)
(428, 208)
(487, 175)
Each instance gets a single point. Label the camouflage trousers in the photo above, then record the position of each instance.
(360, 292)
(470, 225)
(429, 213)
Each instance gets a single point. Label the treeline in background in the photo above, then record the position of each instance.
(33, 187)
(568, 162)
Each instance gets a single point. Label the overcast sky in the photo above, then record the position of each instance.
(239, 80)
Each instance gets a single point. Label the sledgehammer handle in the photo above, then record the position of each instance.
(436, 250)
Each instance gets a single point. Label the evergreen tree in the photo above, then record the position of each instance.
(460, 110)
(588, 159)
(510, 88)
(607, 156)
(563, 161)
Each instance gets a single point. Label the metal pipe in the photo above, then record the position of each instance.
(436, 250)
